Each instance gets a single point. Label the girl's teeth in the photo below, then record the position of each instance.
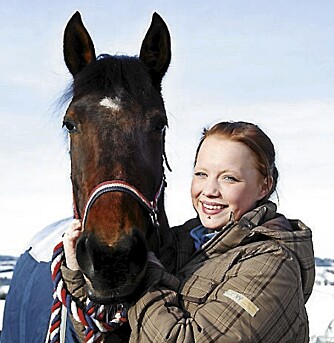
(213, 207)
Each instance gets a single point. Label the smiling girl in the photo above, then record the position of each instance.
(244, 271)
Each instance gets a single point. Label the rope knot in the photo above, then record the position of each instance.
(97, 319)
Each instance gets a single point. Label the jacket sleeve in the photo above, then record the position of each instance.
(75, 282)
(258, 299)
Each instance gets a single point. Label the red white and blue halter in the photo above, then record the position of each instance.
(122, 186)
(94, 317)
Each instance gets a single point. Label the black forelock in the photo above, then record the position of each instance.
(109, 74)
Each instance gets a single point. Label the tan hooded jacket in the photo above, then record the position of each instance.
(247, 284)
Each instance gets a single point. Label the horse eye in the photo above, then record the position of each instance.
(160, 125)
(70, 127)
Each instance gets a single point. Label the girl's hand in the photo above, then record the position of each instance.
(152, 258)
(70, 240)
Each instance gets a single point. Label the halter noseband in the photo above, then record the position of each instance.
(122, 186)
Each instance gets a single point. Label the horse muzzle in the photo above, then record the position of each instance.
(112, 273)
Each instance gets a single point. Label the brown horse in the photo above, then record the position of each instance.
(116, 123)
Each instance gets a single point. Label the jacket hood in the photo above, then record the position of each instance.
(296, 237)
(264, 223)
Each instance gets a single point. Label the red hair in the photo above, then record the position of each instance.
(255, 139)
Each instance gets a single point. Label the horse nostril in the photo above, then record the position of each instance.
(138, 254)
(83, 255)
(93, 256)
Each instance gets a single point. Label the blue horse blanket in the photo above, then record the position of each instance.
(29, 300)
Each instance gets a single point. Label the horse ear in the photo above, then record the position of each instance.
(155, 51)
(78, 46)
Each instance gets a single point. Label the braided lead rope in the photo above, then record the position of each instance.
(94, 317)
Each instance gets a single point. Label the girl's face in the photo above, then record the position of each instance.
(226, 182)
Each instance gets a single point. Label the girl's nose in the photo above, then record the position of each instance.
(211, 188)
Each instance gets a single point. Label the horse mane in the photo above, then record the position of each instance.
(108, 74)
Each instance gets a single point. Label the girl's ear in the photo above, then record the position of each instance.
(265, 187)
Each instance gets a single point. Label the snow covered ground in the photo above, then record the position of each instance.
(320, 309)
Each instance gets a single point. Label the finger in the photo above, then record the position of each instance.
(76, 224)
(72, 235)
(74, 227)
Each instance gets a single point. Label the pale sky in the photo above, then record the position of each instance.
(268, 62)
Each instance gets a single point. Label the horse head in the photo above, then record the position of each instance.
(116, 122)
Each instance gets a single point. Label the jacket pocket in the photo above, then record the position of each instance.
(196, 289)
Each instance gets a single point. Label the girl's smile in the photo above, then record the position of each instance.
(212, 208)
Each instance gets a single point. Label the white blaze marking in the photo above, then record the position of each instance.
(113, 104)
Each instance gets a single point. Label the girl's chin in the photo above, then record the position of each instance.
(212, 223)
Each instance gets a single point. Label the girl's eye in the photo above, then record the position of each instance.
(200, 174)
(230, 178)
